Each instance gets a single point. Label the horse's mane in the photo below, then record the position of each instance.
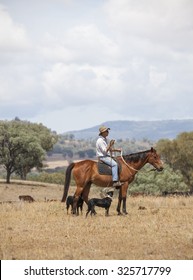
(135, 157)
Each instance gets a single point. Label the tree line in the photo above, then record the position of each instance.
(73, 149)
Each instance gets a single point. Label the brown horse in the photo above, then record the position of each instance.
(85, 173)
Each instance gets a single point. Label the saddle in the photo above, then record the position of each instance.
(105, 169)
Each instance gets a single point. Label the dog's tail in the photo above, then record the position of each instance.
(67, 181)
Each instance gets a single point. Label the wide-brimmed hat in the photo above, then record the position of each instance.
(103, 129)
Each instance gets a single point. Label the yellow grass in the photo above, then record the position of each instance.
(155, 228)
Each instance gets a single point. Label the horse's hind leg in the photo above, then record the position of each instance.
(86, 191)
(77, 194)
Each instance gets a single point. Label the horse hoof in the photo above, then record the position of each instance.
(74, 214)
(119, 214)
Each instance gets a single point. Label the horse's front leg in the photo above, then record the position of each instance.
(124, 206)
(122, 198)
(119, 205)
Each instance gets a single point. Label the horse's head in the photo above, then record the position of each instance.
(154, 159)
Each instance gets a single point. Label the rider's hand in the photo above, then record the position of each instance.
(112, 142)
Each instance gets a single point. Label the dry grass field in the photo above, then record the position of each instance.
(156, 228)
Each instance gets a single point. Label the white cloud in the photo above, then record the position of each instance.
(157, 78)
(77, 84)
(91, 45)
(80, 44)
(12, 36)
(160, 22)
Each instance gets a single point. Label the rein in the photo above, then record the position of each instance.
(127, 163)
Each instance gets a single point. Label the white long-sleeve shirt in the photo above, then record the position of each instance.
(101, 147)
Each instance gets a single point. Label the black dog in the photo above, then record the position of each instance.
(69, 202)
(100, 202)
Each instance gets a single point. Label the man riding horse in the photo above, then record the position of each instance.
(86, 172)
(104, 153)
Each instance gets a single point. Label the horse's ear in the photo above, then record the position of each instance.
(152, 149)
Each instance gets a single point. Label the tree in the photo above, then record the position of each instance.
(23, 146)
(178, 153)
(81, 154)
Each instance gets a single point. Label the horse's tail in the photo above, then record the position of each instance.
(67, 181)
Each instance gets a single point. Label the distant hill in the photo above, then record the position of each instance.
(151, 130)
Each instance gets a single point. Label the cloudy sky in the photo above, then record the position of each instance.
(73, 64)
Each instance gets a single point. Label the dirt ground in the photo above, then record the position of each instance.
(156, 228)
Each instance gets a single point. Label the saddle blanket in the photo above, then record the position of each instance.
(105, 169)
